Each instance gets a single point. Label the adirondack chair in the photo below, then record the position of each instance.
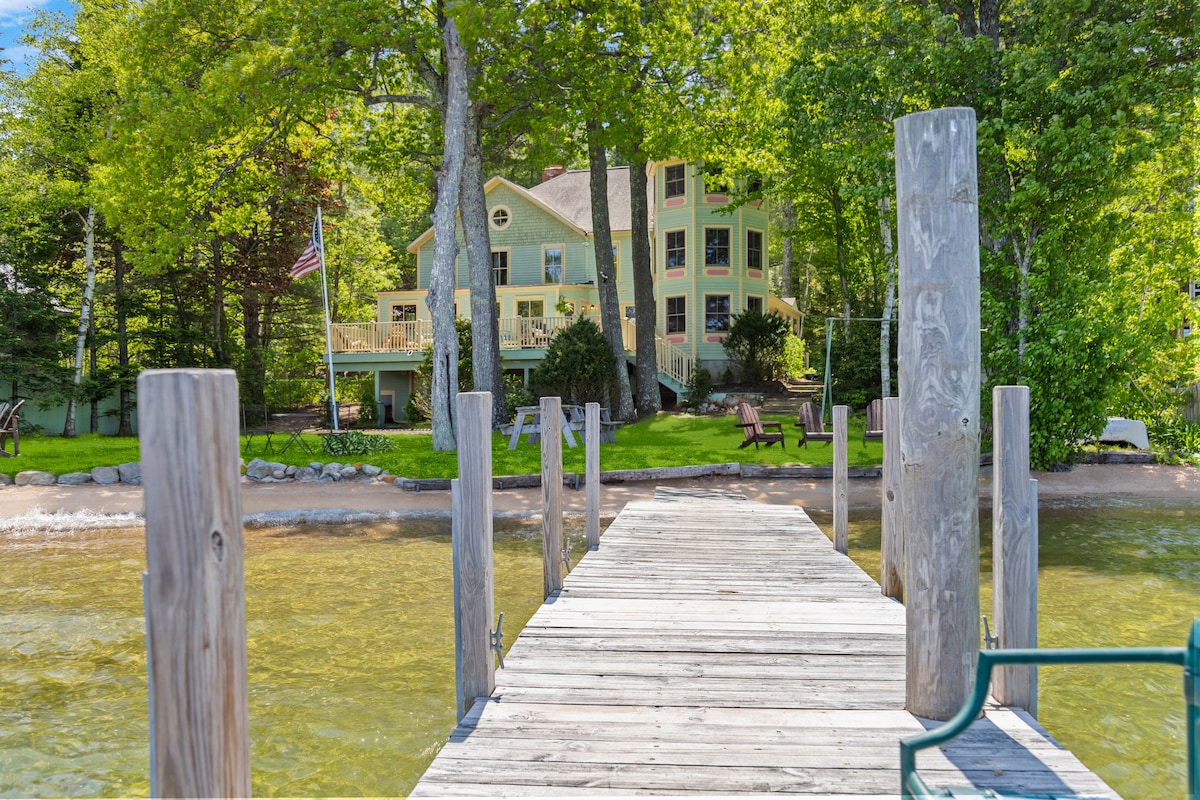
(810, 425)
(874, 430)
(10, 426)
(754, 428)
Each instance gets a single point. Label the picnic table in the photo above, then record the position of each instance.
(291, 425)
(573, 418)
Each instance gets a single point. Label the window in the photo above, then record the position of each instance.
(716, 313)
(404, 313)
(676, 180)
(754, 250)
(552, 258)
(500, 267)
(676, 315)
(754, 304)
(500, 218)
(676, 249)
(531, 308)
(716, 247)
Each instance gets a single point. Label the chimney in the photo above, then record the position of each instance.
(553, 172)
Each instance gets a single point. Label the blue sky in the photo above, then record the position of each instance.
(14, 14)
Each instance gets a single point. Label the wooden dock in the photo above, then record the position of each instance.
(718, 646)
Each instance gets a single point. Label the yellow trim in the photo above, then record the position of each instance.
(562, 264)
(508, 266)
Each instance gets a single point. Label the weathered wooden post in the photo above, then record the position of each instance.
(552, 531)
(194, 583)
(841, 461)
(891, 573)
(1014, 561)
(474, 600)
(591, 477)
(938, 212)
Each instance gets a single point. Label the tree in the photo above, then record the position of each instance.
(578, 365)
(757, 344)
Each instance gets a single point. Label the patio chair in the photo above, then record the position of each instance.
(812, 429)
(10, 426)
(256, 424)
(874, 429)
(755, 429)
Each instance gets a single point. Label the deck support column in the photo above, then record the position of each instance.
(938, 214)
(471, 535)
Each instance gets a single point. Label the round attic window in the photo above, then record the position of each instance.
(500, 218)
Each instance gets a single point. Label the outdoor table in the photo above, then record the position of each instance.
(578, 422)
(292, 425)
(534, 426)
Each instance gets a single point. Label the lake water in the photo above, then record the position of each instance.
(351, 649)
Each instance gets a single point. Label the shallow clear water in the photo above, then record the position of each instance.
(351, 648)
(1123, 573)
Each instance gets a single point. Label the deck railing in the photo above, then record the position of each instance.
(673, 362)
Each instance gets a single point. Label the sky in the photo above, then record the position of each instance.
(14, 14)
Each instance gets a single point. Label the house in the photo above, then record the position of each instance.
(709, 258)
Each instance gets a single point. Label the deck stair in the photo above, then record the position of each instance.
(714, 645)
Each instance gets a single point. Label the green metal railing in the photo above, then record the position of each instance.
(913, 786)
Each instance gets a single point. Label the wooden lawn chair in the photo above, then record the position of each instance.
(812, 429)
(10, 426)
(874, 429)
(753, 428)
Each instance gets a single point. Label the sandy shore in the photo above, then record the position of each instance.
(282, 502)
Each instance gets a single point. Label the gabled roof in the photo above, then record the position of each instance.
(568, 199)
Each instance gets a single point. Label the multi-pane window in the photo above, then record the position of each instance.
(754, 303)
(531, 308)
(500, 218)
(552, 271)
(676, 249)
(754, 250)
(676, 315)
(716, 247)
(500, 267)
(404, 313)
(676, 180)
(716, 313)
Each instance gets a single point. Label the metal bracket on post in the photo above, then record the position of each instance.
(990, 642)
(497, 643)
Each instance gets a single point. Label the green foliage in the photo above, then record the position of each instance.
(578, 366)
(1175, 438)
(295, 393)
(757, 344)
(516, 393)
(357, 443)
(421, 398)
(793, 358)
(412, 410)
(368, 410)
(854, 363)
(699, 385)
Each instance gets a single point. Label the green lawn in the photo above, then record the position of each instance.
(666, 440)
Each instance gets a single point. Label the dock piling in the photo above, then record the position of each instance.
(552, 527)
(841, 469)
(592, 474)
(891, 578)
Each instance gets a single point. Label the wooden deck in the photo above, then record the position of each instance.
(717, 646)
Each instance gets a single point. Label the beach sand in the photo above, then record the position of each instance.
(281, 502)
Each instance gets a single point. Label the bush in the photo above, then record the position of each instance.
(1175, 437)
(757, 343)
(793, 358)
(368, 409)
(699, 386)
(578, 366)
(357, 443)
(516, 394)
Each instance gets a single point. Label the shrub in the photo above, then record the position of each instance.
(578, 366)
(357, 443)
(368, 410)
(699, 385)
(516, 393)
(756, 343)
(793, 358)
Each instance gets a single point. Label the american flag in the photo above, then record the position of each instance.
(310, 259)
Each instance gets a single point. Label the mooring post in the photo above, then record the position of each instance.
(552, 530)
(1033, 592)
(841, 460)
(938, 213)
(891, 573)
(1014, 561)
(471, 535)
(194, 583)
(592, 474)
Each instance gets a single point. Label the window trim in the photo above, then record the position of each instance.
(728, 313)
(562, 264)
(679, 314)
(405, 304)
(667, 181)
(728, 246)
(507, 253)
(529, 299)
(683, 233)
(762, 302)
(762, 242)
(500, 209)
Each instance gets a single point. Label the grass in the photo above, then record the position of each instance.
(666, 440)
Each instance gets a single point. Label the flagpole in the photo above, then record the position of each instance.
(320, 231)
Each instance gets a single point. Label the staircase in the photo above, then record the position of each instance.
(674, 364)
(788, 403)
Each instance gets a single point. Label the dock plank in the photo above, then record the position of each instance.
(716, 646)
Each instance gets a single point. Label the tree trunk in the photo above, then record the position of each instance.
(85, 315)
(787, 267)
(606, 275)
(93, 369)
(649, 398)
(445, 248)
(485, 328)
(889, 297)
(124, 395)
(839, 236)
